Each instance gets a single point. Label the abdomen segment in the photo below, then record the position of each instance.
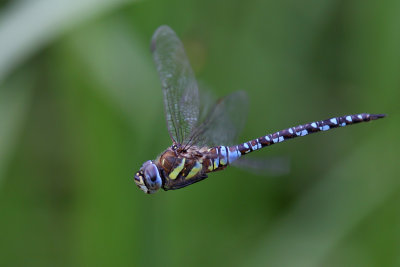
(229, 154)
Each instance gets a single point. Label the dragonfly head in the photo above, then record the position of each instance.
(148, 178)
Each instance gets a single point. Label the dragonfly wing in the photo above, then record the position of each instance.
(223, 122)
(181, 97)
(264, 166)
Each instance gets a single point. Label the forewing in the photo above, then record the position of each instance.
(223, 122)
(181, 97)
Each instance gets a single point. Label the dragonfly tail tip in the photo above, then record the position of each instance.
(377, 116)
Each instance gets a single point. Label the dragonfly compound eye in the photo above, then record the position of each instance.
(152, 177)
(148, 178)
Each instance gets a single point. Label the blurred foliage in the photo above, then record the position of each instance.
(81, 110)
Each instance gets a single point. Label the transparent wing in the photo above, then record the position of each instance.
(181, 100)
(223, 121)
(264, 166)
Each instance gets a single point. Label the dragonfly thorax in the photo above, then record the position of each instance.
(148, 178)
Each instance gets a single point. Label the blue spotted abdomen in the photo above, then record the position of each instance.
(228, 154)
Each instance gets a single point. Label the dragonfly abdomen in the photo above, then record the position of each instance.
(234, 152)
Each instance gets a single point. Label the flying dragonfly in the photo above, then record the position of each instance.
(202, 135)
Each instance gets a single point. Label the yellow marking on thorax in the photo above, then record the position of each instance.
(195, 170)
(177, 170)
(210, 165)
(216, 163)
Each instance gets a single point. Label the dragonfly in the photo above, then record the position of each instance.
(202, 133)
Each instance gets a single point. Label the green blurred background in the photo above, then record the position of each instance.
(81, 110)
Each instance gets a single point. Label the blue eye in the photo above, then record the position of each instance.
(148, 178)
(152, 177)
